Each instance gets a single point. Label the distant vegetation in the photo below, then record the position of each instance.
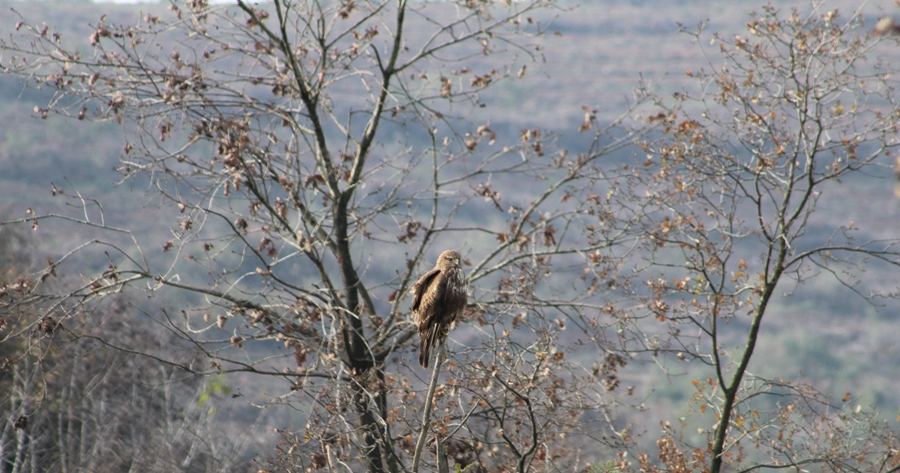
(211, 225)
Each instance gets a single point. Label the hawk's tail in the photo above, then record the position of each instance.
(429, 340)
(424, 351)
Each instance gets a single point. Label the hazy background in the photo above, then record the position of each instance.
(596, 54)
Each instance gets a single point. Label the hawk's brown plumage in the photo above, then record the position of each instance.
(439, 297)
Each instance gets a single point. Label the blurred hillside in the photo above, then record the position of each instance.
(594, 56)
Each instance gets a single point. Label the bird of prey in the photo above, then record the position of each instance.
(439, 297)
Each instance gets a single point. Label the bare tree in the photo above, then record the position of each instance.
(310, 158)
(313, 156)
(729, 201)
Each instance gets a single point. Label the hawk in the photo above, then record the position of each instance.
(439, 297)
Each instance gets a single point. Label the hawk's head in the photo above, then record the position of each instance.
(450, 259)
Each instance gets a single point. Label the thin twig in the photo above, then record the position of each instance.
(429, 401)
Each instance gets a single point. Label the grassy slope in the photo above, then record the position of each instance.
(602, 51)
